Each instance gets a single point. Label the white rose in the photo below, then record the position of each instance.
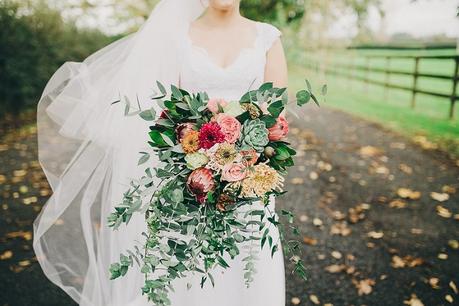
(196, 160)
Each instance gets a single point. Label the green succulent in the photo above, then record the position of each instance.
(255, 135)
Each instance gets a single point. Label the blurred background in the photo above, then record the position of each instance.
(374, 190)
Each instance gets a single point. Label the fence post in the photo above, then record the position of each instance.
(386, 85)
(415, 82)
(453, 94)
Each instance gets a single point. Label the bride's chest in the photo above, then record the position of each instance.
(200, 72)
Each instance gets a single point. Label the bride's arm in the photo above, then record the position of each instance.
(276, 65)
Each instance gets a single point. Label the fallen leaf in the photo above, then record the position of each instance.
(340, 229)
(21, 234)
(433, 282)
(336, 255)
(317, 222)
(364, 287)
(309, 240)
(454, 244)
(448, 189)
(304, 218)
(405, 168)
(414, 301)
(6, 255)
(416, 231)
(407, 193)
(406, 261)
(444, 212)
(442, 256)
(314, 299)
(338, 216)
(424, 143)
(297, 181)
(452, 285)
(449, 298)
(369, 151)
(335, 268)
(296, 301)
(397, 203)
(440, 197)
(313, 176)
(375, 235)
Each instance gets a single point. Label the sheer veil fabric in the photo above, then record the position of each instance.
(88, 154)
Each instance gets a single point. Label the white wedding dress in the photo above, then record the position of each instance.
(199, 73)
(89, 152)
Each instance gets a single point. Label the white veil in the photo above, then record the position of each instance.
(89, 150)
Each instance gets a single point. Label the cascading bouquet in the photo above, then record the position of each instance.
(220, 163)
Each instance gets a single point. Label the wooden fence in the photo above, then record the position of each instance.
(349, 71)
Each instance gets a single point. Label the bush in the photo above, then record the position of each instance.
(33, 44)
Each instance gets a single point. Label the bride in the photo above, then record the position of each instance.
(89, 149)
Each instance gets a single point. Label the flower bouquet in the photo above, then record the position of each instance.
(207, 199)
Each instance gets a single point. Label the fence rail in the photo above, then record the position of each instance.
(349, 71)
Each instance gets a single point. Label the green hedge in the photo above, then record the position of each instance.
(33, 44)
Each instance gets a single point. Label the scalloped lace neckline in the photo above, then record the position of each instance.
(236, 59)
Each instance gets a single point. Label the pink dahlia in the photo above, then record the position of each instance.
(200, 182)
(279, 130)
(209, 135)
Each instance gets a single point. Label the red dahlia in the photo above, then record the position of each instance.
(209, 135)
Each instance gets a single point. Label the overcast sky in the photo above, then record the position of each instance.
(421, 18)
(424, 17)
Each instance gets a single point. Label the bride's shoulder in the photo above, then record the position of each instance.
(266, 30)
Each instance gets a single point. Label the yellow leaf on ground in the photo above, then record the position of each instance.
(20, 234)
(414, 301)
(335, 268)
(407, 193)
(364, 287)
(297, 181)
(444, 212)
(454, 244)
(296, 301)
(336, 255)
(397, 203)
(440, 197)
(433, 282)
(369, 151)
(452, 285)
(6, 255)
(314, 299)
(375, 235)
(448, 189)
(309, 240)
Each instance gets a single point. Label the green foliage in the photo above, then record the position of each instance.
(34, 42)
(190, 232)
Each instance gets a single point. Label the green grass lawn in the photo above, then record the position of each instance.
(392, 108)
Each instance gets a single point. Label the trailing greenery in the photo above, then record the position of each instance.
(34, 42)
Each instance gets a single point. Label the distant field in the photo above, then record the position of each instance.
(391, 108)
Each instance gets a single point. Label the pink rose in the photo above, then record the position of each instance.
(233, 172)
(213, 104)
(279, 130)
(230, 126)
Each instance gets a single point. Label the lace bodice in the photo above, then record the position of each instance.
(200, 73)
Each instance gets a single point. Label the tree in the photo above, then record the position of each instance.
(34, 42)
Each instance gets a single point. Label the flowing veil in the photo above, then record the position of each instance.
(89, 150)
